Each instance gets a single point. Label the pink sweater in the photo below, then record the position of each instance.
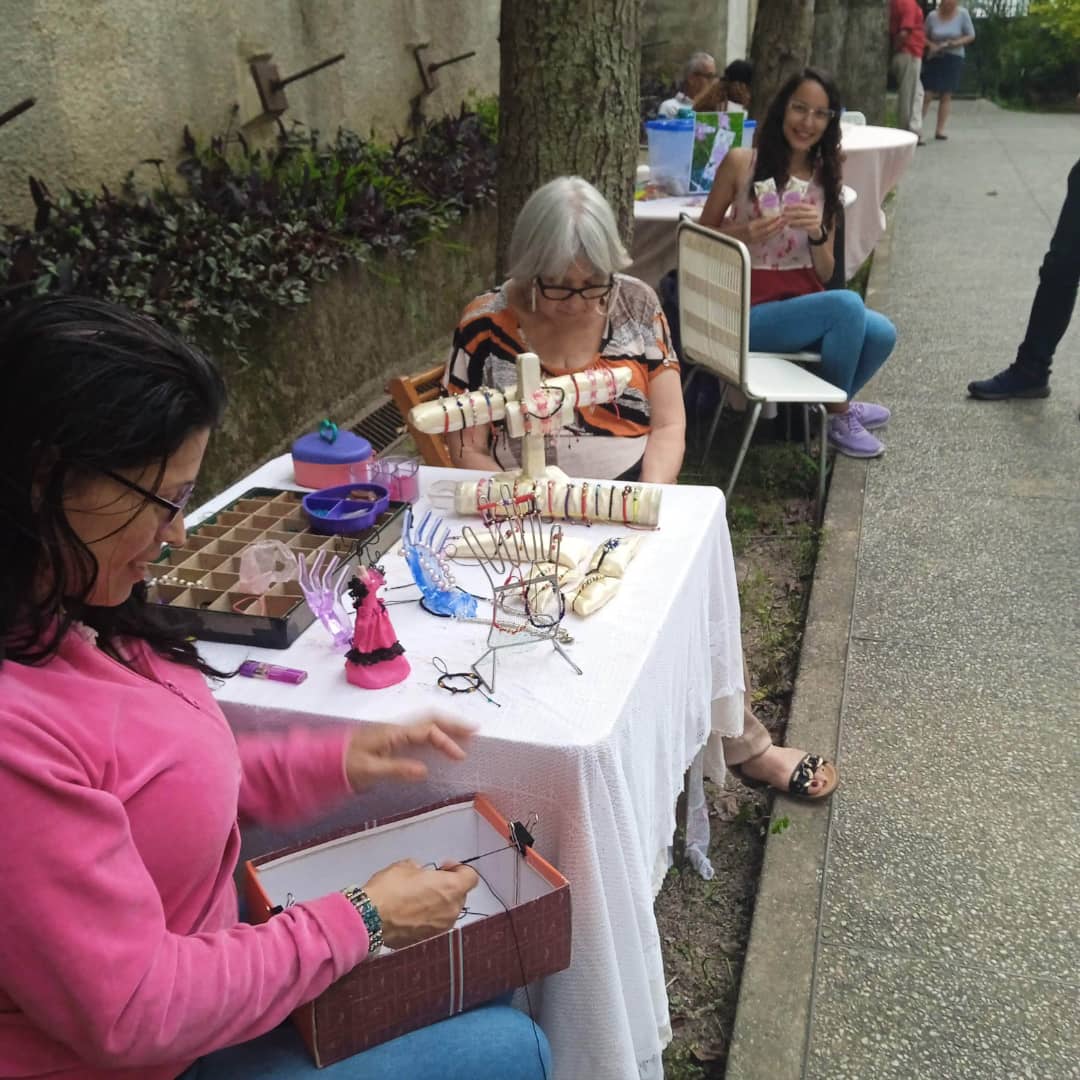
(120, 950)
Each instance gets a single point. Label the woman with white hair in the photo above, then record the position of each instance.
(567, 301)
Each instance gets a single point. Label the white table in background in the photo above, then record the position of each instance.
(655, 248)
(875, 158)
(599, 757)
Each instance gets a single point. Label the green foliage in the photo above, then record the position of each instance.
(253, 229)
(487, 111)
(1060, 17)
(1028, 60)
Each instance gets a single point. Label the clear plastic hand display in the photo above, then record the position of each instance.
(322, 584)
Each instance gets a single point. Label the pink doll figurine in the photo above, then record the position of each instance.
(376, 658)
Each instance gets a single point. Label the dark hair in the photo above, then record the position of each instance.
(774, 153)
(739, 71)
(88, 385)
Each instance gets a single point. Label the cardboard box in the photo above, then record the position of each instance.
(490, 951)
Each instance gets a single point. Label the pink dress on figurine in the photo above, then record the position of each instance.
(376, 658)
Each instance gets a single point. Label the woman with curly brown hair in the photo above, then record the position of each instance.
(795, 167)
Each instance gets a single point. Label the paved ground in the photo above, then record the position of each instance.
(928, 923)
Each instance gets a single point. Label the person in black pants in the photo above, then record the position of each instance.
(1028, 376)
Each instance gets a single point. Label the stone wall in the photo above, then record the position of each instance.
(362, 326)
(116, 80)
(674, 30)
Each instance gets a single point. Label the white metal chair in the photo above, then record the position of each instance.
(853, 116)
(714, 324)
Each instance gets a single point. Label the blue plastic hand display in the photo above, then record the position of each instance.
(425, 554)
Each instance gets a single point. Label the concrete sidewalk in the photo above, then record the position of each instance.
(927, 923)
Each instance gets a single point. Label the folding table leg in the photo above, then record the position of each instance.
(823, 418)
(751, 424)
(713, 426)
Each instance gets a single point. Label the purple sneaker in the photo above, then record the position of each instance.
(871, 416)
(848, 436)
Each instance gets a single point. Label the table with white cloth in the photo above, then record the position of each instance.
(600, 757)
(655, 249)
(874, 160)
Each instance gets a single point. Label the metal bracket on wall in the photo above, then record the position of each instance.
(271, 85)
(16, 110)
(428, 80)
(427, 71)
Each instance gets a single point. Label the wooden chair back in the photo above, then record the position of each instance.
(409, 390)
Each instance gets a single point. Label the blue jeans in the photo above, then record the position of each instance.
(491, 1042)
(853, 341)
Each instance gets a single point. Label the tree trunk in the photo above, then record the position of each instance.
(568, 102)
(830, 26)
(783, 32)
(865, 60)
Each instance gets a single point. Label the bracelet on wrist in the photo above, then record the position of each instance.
(820, 240)
(369, 913)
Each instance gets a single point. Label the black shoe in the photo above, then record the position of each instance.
(1013, 382)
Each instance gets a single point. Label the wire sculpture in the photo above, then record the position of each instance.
(521, 565)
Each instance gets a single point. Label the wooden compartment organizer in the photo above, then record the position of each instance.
(197, 585)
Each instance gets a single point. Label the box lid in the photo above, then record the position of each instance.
(345, 447)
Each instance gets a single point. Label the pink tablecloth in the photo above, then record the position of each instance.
(875, 159)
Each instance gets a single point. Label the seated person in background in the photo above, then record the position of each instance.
(698, 78)
(566, 301)
(738, 76)
(791, 253)
(121, 951)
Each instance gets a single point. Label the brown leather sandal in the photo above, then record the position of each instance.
(801, 777)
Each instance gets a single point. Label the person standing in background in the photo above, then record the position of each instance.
(908, 44)
(948, 30)
(1028, 376)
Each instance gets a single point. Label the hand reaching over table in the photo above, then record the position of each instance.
(381, 751)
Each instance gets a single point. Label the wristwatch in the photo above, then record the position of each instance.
(370, 914)
(824, 236)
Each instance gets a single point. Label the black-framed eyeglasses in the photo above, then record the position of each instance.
(173, 509)
(564, 292)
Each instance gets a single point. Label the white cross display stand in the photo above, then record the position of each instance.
(538, 406)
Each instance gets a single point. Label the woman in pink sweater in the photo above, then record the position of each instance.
(121, 954)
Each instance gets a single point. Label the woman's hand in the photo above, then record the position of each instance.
(805, 216)
(763, 228)
(414, 903)
(379, 751)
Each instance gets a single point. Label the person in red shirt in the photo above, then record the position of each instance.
(908, 44)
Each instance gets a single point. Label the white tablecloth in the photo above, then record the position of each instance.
(655, 249)
(874, 160)
(599, 757)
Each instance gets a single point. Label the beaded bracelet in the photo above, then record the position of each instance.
(370, 914)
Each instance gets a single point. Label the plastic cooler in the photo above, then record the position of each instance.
(671, 148)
